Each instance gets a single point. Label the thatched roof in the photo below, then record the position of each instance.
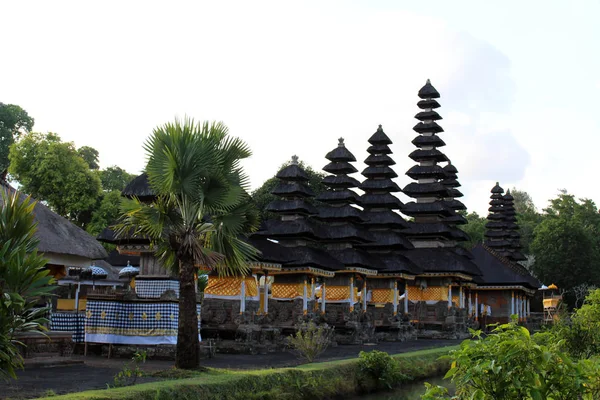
(139, 187)
(440, 260)
(497, 270)
(58, 235)
(433, 140)
(380, 137)
(428, 91)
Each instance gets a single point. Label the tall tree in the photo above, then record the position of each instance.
(90, 155)
(23, 278)
(114, 178)
(200, 213)
(13, 122)
(262, 196)
(53, 171)
(528, 217)
(106, 213)
(567, 244)
(475, 228)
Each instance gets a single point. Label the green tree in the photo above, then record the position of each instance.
(566, 244)
(23, 279)
(262, 196)
(528, 217)
(475, 228)
(90, 155)
(200, 213)
(106, 213)
(114, 178)
(53, 171)
(13, 122)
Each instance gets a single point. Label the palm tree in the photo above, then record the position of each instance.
(200, 213)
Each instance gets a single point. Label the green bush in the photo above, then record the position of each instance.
(380, 367)
(310, 340)
(511, 364)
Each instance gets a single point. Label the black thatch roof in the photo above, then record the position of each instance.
(451, 169)
(432, 230)
(456, 219)
(498, 271)
(353, 257)
(399, 263)
(312, 257)
(440, 260)
(428, 155)
(497, 189)
(417, 190)
(428, 127)
(426, 141)
(340, 181)
(384, 219)
(379, 172)
(292, 172)
(341, 213)
(387, 241)
(346, 233)
(455, 205)
(271, 252)
(58, 235)
(379, 149)
(427, 104)
(428, 91)
(428, 116)
(340, 153)
(380, 137)
(109, 235)
(341, 196)
(121, 260)
(387, 184)
(139, 187)
(435, 208)
(426, 172)
(294, 188)
(291, 229)
(379, 159)
(340, 167)
(291, 207)
(380, 200)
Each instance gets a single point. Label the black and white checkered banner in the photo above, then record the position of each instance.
(132, 322)
(154, 288)
(69, 322)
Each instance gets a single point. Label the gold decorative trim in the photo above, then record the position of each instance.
(445, 274)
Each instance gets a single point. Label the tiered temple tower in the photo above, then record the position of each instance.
(448, 270)
(298, 233)
(496, 233)
(513, 235)
(386, 225)
(344, 228)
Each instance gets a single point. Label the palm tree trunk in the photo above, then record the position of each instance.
(187, 334)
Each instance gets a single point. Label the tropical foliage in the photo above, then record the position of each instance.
(14, 121)
(23, 280)
(562, 363)
(200, 214)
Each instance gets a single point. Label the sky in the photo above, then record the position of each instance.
(518, 80)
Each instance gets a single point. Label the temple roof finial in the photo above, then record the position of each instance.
(294, 160)
(341, 142)
(428, 81)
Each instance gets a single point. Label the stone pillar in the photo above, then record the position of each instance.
(405, 297)
(460, 297)
(266, 294)
(476, 306)
(364, 295)
(395, 297)
(305, 297)
(351, 294)
(243, 297)
(449, 296)
(323, 296)
(512, 302)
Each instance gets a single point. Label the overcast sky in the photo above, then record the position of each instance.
(519, 80)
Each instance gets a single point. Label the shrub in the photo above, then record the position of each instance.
(380, 367)
(128, 376)
(511, 364)
(310, 341)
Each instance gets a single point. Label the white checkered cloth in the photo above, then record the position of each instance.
(154, 288)
(69, 322)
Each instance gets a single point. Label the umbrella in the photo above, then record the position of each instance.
(94, 273)
(129, 271)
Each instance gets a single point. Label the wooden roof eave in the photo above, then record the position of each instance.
(399, 275)
(259, 266)
(305, 270)
(528, 291)
(358, 270)
(445, 274)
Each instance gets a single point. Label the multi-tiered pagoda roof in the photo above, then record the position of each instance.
(434, 230)
(293, 228)
(380, 208)
(342, 218)
(434, 208)
(496, 233)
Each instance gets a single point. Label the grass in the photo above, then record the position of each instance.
(323, 380)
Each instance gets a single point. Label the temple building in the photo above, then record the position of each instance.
(440, 291)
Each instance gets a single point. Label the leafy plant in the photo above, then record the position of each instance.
(23, 279)
(128, 376)
(512, 364)
(380, 367)
(310, 340)
(202, 283)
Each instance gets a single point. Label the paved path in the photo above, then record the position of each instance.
(97, 372)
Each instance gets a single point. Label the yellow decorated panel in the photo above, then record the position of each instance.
(69, 304)
(382, 295)
(288, 290)
(231, 286)
(430, 293)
